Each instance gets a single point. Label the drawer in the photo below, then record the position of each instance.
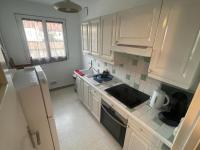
(95, 93)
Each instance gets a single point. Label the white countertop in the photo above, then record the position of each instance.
(143, 114)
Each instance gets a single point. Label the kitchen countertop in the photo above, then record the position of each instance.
(143, 114)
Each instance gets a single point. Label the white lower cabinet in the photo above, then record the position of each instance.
(95, 99)
(80, 86)
(138, 138)
(89, 97)
(86, 92)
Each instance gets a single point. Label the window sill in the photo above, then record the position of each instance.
(47, 61)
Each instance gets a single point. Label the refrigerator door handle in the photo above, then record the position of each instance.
(37, 133)
(31, 137)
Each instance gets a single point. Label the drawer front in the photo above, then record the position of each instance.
(95, 93)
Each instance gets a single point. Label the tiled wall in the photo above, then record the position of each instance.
(130, 69)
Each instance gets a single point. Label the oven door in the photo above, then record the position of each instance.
(113, 122)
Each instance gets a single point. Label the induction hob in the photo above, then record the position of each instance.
(128, 95)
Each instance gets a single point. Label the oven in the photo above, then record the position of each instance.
(113, 122)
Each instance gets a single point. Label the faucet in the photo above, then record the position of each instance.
(91, 67)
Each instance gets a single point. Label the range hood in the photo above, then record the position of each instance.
(133, 50)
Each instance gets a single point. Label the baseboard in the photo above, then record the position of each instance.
(62, 87)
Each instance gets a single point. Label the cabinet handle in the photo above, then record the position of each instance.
(150, 71)
(30, 134)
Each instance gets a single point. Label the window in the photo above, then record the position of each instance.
(35, 39)
(44, 38)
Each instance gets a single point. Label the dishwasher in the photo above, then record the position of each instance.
(113, 122)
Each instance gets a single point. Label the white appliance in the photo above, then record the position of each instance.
(33, 91)
(159, 99)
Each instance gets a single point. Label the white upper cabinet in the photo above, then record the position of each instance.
(137, 26)
(107, 24)
(85, 37)
(95, 36)
(176, 53)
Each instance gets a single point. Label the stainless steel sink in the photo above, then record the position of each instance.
(89, 74)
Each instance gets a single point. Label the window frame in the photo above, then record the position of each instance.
(44, 20)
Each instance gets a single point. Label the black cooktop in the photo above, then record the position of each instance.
(127, 95)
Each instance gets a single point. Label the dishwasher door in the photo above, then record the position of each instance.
(113, 122)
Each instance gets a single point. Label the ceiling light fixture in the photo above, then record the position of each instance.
(67, 6)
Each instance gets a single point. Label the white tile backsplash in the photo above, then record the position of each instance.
(133, 70)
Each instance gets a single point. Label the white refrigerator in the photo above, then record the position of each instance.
(33, 91)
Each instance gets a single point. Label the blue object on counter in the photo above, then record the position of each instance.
(101, 79)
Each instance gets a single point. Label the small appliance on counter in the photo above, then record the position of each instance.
(178, 105)
(159, 99)
(103, 77)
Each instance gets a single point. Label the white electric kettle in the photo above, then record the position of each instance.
(159, 99)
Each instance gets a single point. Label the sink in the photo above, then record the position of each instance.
(90, 76)
(88, 73)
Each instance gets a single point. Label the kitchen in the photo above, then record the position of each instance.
(134, 65)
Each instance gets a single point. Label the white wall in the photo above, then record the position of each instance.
(61, 72)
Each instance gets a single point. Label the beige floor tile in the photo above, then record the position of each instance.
(77, 128)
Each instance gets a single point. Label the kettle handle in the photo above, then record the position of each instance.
(168, 100)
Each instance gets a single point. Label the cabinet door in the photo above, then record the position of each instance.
(96, 104)
(176, 51)
(90, 100)
(78, 80)
(96, 108)
(95, 36)
(107, 25)
(86, 95)
(80, 84)
(82, 90)
(137, 26)
(134, 141)
(85, 37)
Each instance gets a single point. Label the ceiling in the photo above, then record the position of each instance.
(50, 2)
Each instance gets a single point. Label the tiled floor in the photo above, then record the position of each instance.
(77, 129)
